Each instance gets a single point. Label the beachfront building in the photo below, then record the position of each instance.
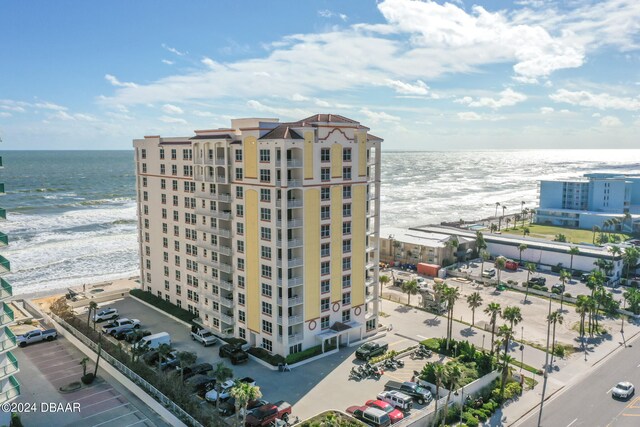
(413, 247)
(593, 201)
(9, 386)
(266, 230)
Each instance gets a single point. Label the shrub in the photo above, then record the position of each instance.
(567, 295)
(480, 414)
(15, 420)
(88, 378)
(512, 390)
(559, 351)
(261, 353)
(470, 420)
(555, 291)
(634, 283)
(163, 305)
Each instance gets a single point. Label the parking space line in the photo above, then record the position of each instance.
(632, 404)
(398, 342)
(46, 356)
(102, 401)
(571, 423)
(107, 410)
(51, 380)
(393, 376)
(77, 362)
(630, 415)
(49, 360)
(74, 368)
(138, 422)
(92, 394)
(112, 419)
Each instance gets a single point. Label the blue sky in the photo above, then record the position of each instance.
(424, 75)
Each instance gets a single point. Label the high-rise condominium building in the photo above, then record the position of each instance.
(267, 231)
(9, 386)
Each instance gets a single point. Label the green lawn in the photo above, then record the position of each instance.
(574, 235)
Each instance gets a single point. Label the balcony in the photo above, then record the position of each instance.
(9, 366)
(292, 320)
(369, 282)
(1, 188)
(227, 302)
(293, 301)
(293, 243)
(371, 248)
(294, 163)
(10, 391)
(221, 266)
(6, 291)
(220, 232)
(368, 298)
(7, 339)
(203, 211)
(204, 161)
(221, 162)
(294, 262)
(3, 213)
(221, 179)
(225, 215)
(291, 203)
(294, 183)
(294, 281)
(292, 223)
(295, 338)
(223, 284)
(370, 265)
(6, 314)
(225, 318)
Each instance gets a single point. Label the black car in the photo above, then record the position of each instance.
(151, 357)
(228, 407)
(202, 387)
(196, 382)
(559, 288)
(233, 352)
(538, 281)
(122, 334)
(192, 370)
(135, 336)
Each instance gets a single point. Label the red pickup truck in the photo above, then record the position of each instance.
(266, 414)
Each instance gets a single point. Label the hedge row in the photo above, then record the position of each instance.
(163, 305)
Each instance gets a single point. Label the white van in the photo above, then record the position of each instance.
(154, 341)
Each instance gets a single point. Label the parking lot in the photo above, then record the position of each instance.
(317, 386)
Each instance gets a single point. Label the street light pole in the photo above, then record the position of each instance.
(483, 342)
(546, 372)
(624, 341)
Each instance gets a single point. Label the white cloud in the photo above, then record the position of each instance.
(419, 88)
(293, 113)
(601, 101)
(173, 50)
(5, 114)
(326, 13)
(14, 108)
(203, 113)
(177, 120)
(211, 63)
(469, 115)
(298, 98)
(379, 116)
(546, 110)
(85, 117)
(50, 106)
(61, 115)
(507, 98)
(115, 82)
(172, 109)
(166, 61)
(610, 121)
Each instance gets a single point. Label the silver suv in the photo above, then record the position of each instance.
(106, 314)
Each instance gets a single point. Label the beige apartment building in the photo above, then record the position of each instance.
(268, 231)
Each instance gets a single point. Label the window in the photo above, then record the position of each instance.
(240, 246)
(325, 212)
(166, 271)
(239, 174)
(144, 168)
(145, 196)
(266, 290)
(162, 154)
(346, 192)
(346, 298)
(265, 233)
(346, 172)
(265, 155)
(346, 316)
(267, 344)
(325, 174)
(242, 316)
(239, 192)
(165, 241)
(346, 209)
(148, 263)
(346, 228)
(265, 214)
(178, 290)
(297, 348)
(175, 201)
(325, 286)
(144, 181)
(238, 155)
(324, 322)
(163, 169)
(174, 154)
(174, 170)
(239, 211)
(265, 195)
(325, 304)
(346, 263)
(325, 154)
(241, 299)
(325, 231)
(241, 333)
(163, 184)
(176, 216)
(267, 328)
(266, 271)
(241, 282)
(325, 268)
(163, 199)
(167, 287)
(164, 228)
(174, 184)
(240, 228)
(187, 154)
(266, 308)
(265, 252)
(346, 154)
(176, 231)
(177, 260)
(325, 250)
(325, 193)
(265, 175)
(240, 264)
(346, 246)
(346, 281)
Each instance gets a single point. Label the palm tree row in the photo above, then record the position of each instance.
(450, 375)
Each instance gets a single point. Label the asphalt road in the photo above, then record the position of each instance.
(588, 401)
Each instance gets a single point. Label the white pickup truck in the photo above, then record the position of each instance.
(120, 325)
(35, 336)
(225, 388)
(204, 336)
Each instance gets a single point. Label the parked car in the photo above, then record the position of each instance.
(266, 414)
(228, 407)
(541, 281)
(234, 352)
(558, 287)
(371, 416)
(132, 335)
(488, 273)
(371, 349)
(106, 314)
(169, 361)
(395, 414)
(192, 370)
(120, 325)
(35, 336)
(419, 394)
(397, 399)
(225, 388)
(197, 383)
(203, 336)
(153, 341)
(204, 387)
(623, 390)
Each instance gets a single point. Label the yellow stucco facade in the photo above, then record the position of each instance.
(358, 244)
(252, 261)
(336, 161)
(336, 243)
(312, 254)
(308, 155)
(362, 154)
(250, 149)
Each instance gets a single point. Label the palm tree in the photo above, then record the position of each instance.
(493, 310)
(83, 362)
(93, 306)
(632, 296)
(480, 243)
(506, 334)
(451, 295)
(440, 374)
(531, 267)
(615, 251)
(384, 279)
(453, 244)
(438, 292)
(513, 315)
(555, 317)
(500, 263)
(630, 257)
(410, 287)
(163, 352)
(454, 375)
(485, 257)
(507, 221)
(526, 231)
(525, 211)
(493, 228)
(186, 358)
(521, 248)
(522, 203)
(244, 393)
(221, 373)
(564, 276)
(582, 308)
(496, 214)
(595, 229)
(627, 217)
(573, 250)
(516, 218)
(474, 300)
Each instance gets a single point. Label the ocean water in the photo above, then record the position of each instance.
(72, 216)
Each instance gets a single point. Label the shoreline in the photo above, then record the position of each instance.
(79, 289)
